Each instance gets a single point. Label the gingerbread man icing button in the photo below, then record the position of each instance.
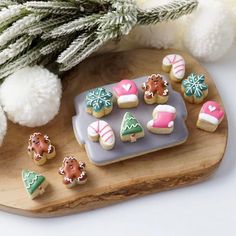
(73, 171)
(155, 89)
(40, 148)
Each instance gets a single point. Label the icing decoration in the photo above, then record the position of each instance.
(155, 85)
(73, 171)
(103, 130)
(98, 99)
(32, 180)
(177, 64)
(211, 112)
(194, 85)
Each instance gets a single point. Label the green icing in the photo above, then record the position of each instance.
(194, 85)
(98, 99)
(32, 180)
(130, 125)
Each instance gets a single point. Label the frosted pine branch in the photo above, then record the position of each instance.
(10, 12)
(56, 45)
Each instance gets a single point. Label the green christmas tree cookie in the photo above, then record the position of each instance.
(131, 129)
(35, 183)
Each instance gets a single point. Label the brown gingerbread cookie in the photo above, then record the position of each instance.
(155, 89)
(73, 171)
(40, 148)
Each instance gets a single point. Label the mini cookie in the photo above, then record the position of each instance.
(155, 89)
(73, 171)
(99, 102)
(163, 120)
(194, 88)
(101, 131)
(35, 184)
(40, 148)
(174, 64)
(126, 93)
(210, 116)
(131, 129)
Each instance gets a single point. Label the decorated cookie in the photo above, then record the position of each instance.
(99, 102)
(163, 120)
(35, 184)
(126, 93)
(101, 131)
(174, 64)
(155, 89)
(210, 116)
(131, 129)
(73, 171)
(40, 148)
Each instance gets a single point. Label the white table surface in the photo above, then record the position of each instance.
(208, 208)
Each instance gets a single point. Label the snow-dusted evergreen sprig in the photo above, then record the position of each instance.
(10, 12)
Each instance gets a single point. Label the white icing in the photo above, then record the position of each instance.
(126, 87)
(171, 124)
(127, 98)
(211, 108)
(211, 119)
(165, 108)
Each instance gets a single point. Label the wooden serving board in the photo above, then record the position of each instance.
(178, 166)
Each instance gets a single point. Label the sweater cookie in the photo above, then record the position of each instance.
(210, 116)
(155, 89)
(126, 93)
(101, 131)
(99, 102)
(163, 120)
(175, 65)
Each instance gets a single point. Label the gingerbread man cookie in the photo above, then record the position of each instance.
(73, 171)
(40, 148)
(155, 89)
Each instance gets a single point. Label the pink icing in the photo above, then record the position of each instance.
(213, 109)
(163, 119)
(125, 87)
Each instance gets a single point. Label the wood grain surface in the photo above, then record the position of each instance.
(175, 167)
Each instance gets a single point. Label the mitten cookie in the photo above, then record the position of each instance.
(210, 116)
(40, 148)
(126, 93)
(35, 183)
(73, 171)
(194, 88)
(174, 64)
(163, 120)
(155, 90)
(99, 102)
(101, 131)
(131, 129)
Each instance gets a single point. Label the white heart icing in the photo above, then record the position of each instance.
(126, 87)
(211, 108)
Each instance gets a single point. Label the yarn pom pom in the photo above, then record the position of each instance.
(31, 96)
(3, 125)
(210, 32)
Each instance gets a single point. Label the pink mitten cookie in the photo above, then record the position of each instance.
(163, 120)
(126, 93)
(210, 116)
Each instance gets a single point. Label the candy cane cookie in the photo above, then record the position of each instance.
(175, 65)
(101, 131)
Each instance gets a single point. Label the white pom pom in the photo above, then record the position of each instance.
(210, 32)
(3, 125)
(31, 96)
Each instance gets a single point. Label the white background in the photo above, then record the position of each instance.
(208, 208)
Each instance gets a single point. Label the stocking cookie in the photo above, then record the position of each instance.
(126, 93)
(175, 65)
(131, 129)
(101, 131)
(155, 89)
(99, 102)
(163, 120)
(210, 116)
(73, 171)
(35, 184)
(40, 148)
(194, 88)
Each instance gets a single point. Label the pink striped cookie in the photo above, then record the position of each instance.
(174, 64)
(163, 120)
(101, 131)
